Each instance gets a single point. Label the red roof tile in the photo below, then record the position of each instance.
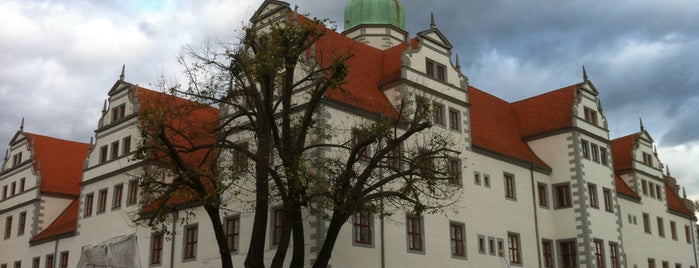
(495, 127)
(623, 188)
(674, 202)
(547, 112)
(622, 152)
(65, 223)
(60, 163)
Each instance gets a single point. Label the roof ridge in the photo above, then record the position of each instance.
(547, 93)
(54, 138)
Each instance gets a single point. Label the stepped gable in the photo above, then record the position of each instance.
(64, 225)
(674, 203)
(60, 163)
(495, 127)
(368, 68)
(621, 152)
(545, 113)
(623, 188)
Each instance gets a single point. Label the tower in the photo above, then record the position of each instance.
(378, 23)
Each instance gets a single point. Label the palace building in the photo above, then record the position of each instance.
(542, 183)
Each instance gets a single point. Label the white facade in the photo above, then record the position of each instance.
(538, 182)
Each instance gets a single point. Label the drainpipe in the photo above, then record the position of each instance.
(174, 235)
(55, 252)
(692, 228)
(536, 217)
(381, 226)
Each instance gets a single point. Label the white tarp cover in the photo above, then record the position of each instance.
(120, 251)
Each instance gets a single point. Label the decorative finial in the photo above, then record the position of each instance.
(684, 193)
(432, 25)
(584, 74)
(667, 168)
(90, 141)
(7, 154)
(104, 107)
(655, 150)
(123, 68)
(21, 125)
(458, 62)
(641, 121)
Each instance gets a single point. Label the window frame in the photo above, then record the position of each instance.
(363, 228)
(542, 193)
(156, 249)
(492, 246)
(21, 223)
(594, 152)
(132, 193)
(608, 200)
(455, 170)
(126, 145)
(590, 115)
(592, 195)
(415, 234)
(568, 253)
(49, 261)
(687, 234)
(63, 260)
(104, 154)
(482, 247)
(565, 201)
(36, 262)
(114, 150)
(585, 148)
(190, 241)
(604, 159)
(661, 226)
(232, 235)
(614, 255)
(117, 195)
(87, 204)
(673, 230)
(276, 226)
(457, 243)
(514, 248)
(438, 111)
(435, 70)
(510, 186)
(454, 119)
(21, 185)
(102, 201)
(547, 252)
(599, 253)
(8, 227)
(646, 223)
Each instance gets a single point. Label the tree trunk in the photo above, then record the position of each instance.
(299, 250)
(336, 222)
(223, 249)
(256, 253)
(280, 255)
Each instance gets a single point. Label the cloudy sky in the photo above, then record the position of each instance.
(58, 59)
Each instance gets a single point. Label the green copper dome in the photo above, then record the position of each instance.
(360, 12)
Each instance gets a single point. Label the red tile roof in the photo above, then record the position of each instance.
(495, 127)
(622, 152)
(547, 112)
(623, 188)
(65, 223)
(674, 203)
(60, 163)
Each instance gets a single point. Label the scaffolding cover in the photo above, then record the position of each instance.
(120, 251)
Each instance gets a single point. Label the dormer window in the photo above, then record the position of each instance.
(590, 116)
(435, 70)
(17, 159)
(648, 159)
(118, 112)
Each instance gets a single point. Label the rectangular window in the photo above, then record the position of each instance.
(22, 222)
(36, 262)
(16, 159)
(49, 261)
(658, 193)
(548, 253)
(603, 156)
(599, 254)
(661, 227)
(156, 248)
(425, 162)
(414, 233)
(457, 240)
(115, 150)
(118, 112)
(651, 263)
(590, 116)
(666, 264)
(240, 159)
(455, 170)
(673, 230)
(116, 199)
(687, 234)
(63, 263)
(594, 151)
(454, 119)
(585, 149)
(233, 233)
(563, 198)
(87, 208)
(435, 70)
(486, 180)
(359, 137)
(441, 74)
(592, 193)
(429, 68)
(438, 114)
(477, 178)
(510, 186)
(481, 244)
(542, 189)
(190, 242)
(363, 228)
(18, 264)
(126, 145)
(648, 159)
(8, 227)
(651, 189)
(277, 225)
(133, 193)
(646, 223)
(614, 255)
(4, 192)
(102, 201)
(608, 204)
(491, 245)
(394, 157)
(569, 254)
(103, 154)
(514, 246)
(21, 185)
(13, 188)
(644, 187)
